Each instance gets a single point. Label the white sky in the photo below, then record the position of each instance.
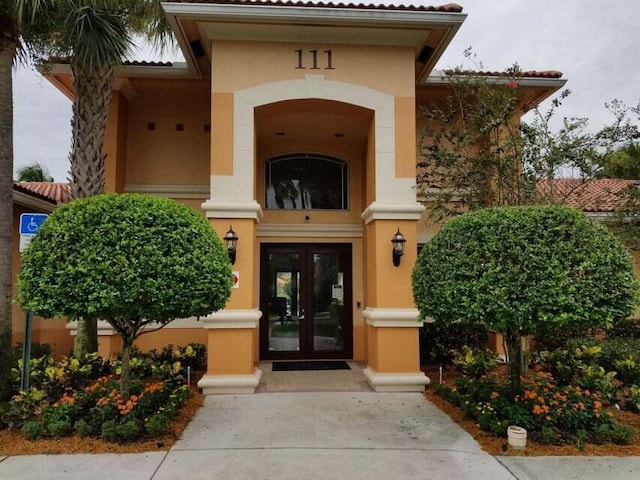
(595, 43)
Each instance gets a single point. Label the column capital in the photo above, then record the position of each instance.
(228, 318)
(392, 211)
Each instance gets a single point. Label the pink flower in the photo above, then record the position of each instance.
(513, 83)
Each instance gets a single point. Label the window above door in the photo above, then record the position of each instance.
(306, 181)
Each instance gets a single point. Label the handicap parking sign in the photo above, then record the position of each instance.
(29, 226)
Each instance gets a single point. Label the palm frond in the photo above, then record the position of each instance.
(97, 37)
(34, 173)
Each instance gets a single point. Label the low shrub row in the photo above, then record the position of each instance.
(81, 395)
(552, 414)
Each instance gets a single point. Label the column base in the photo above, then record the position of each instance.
(396, 382)
(220, 384)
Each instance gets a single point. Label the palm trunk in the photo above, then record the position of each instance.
(8, 42)
(90, 110)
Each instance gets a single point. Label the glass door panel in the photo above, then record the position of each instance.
(284, 310)
(305, 298)
(328, 302)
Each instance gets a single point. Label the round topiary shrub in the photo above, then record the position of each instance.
(524, 271)
(132, 260)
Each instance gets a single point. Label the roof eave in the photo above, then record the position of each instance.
(34, 202)
(53, 73)
(317, 16)
(547, 85)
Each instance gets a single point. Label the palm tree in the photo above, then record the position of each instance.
(95, 36)
(15, 19)
(34, 173)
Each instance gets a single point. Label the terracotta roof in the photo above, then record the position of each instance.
(449, 7)
(595, 196)
(525, 74)
(53, 192)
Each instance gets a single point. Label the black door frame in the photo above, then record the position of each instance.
(306, 250)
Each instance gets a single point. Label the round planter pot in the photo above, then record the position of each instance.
(517, 437)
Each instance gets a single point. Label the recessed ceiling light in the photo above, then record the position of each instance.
(280, 134)
(338, 135)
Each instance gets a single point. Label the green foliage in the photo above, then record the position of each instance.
(551, 413)
(475, 152)
(616, 433)
(121, 432)
(623, 163)
(128, 256)
(625, 328)
(470, 145)
(438, 341)
(474, 363)
(193, 355)
(68, 398)
(523, 270)
(83, 428)
(56, 377)
(24, 407)
(132, 260)
(38, 350)
(520, 267)
(632, 398)
(35, 172)
(33, 430)
(158, 425)
(59, 428)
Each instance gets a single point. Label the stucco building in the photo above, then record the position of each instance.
(294, 125)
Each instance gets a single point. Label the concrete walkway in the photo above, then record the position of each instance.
(338, 435)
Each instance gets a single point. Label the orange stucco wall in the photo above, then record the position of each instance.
(239, 65)
(167, 155)
(115, 144)
(393, 349)
(221, 148)
(227, 353)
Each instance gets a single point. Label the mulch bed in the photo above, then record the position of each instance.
(498, 446)
(15, 443)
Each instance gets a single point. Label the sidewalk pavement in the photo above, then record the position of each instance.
(338, 435)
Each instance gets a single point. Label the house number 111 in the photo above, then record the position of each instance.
(313, 56)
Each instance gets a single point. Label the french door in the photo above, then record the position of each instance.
(305, 298)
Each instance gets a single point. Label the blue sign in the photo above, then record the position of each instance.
(30, 222)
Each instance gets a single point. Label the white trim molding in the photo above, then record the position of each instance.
(228, 209)
(220, 384)
(104, 328)
(392, 211)
(232, 196)
(171, 191)
(232, 319)
(309, 230)
(393, 317)
(396, 382)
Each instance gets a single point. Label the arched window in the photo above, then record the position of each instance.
(306, 182)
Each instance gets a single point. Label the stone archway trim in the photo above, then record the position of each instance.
(233, 195)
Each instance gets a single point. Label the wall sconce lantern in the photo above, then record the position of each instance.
(398, 242)
(231, 241)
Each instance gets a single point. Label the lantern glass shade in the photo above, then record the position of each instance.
(231, 241)
(398, 241)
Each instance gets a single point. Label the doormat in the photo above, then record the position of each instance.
(315, 365)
